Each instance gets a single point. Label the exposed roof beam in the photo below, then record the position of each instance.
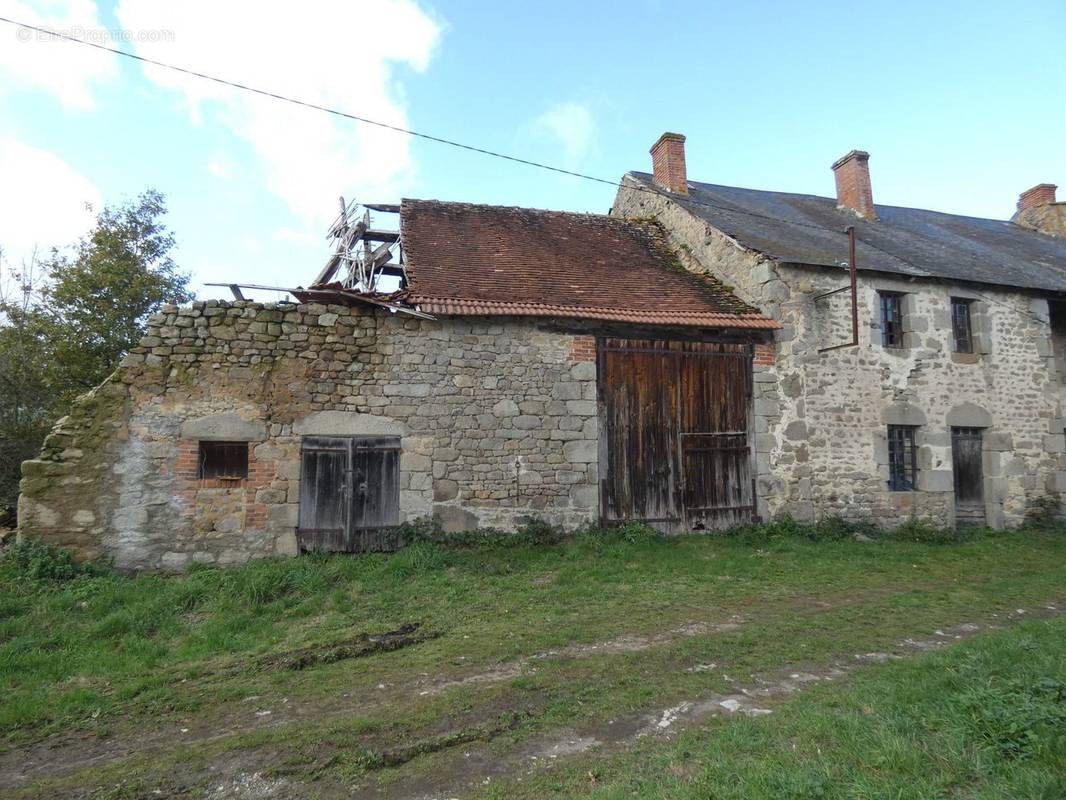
(326, 293)
(382, 236)
(381, 254)
(343, 246)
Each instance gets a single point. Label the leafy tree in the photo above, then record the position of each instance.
(66, 322)
(96, 301)
(25, 398)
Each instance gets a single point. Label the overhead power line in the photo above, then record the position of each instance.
(304, 103)
(438, 139)
(387, 126)
(429, 137)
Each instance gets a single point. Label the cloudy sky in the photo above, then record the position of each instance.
(959, 103)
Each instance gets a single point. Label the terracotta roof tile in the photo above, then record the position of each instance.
(494, 260)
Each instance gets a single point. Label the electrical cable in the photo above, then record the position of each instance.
(442, 140)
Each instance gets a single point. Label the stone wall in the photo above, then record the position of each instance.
(497, 420)
(821, 416)
(1049, 219)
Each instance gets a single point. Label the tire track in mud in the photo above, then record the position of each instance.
(52, 757)
(55, 759)
(477, 767)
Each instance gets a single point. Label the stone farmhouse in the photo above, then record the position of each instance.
(568, 366)
(944, 398)
(693, 360)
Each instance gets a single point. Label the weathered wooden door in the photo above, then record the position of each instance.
(375, 494)
(676, 433)
(969, 476)
(349, 494)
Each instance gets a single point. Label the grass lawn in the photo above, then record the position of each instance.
(117, 686)
(983, 719)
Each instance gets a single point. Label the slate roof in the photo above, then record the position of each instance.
(905, 241)
(495, 260)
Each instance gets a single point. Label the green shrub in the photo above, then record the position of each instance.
(836, 528)
(1043, 513)
(423, 529)
(416, 558)
(32, 559)
(615, 539)
(829, 529)
(530, 531)
(923, 532)
(636, 533)
(626, 532)
(537, 531)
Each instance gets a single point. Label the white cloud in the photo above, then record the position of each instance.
(31, 60)
(570, 126)
(220, 167)
(43, 203)
(333, 54)
(301, 236)
(251, 245)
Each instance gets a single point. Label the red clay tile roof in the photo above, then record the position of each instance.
(495, 260)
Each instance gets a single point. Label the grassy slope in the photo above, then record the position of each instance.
(107, 653)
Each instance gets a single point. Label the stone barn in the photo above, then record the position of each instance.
(521, 363)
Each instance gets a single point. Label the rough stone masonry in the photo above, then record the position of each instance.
(821, 416)
(496, 418)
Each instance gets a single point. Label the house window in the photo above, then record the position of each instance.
(223, 460)
(891, 319)
(902, 458)
(961, 329)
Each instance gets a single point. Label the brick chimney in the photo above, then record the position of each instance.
(852, 173)
(668, 163)
(1040, 195)
(1038, 211)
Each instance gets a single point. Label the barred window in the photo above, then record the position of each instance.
(902, 458)
(891, 319)
(223, 460)
(961, 329)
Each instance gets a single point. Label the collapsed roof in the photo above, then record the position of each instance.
(481, 260)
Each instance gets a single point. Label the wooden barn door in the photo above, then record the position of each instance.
(676, 433)
(639, 388)
(715, 402)
(349, 494)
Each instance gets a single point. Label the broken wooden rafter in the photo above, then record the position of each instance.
(332, 291)
(344, 244)
(320, 292)
(341, 223)
(382, 236)
(382, 253)
(363, 265)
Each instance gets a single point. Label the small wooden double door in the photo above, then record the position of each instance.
(349, 494)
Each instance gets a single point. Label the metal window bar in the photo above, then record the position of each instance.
(961, 328)
(891, 320)
(902, 458)
(223, 460)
